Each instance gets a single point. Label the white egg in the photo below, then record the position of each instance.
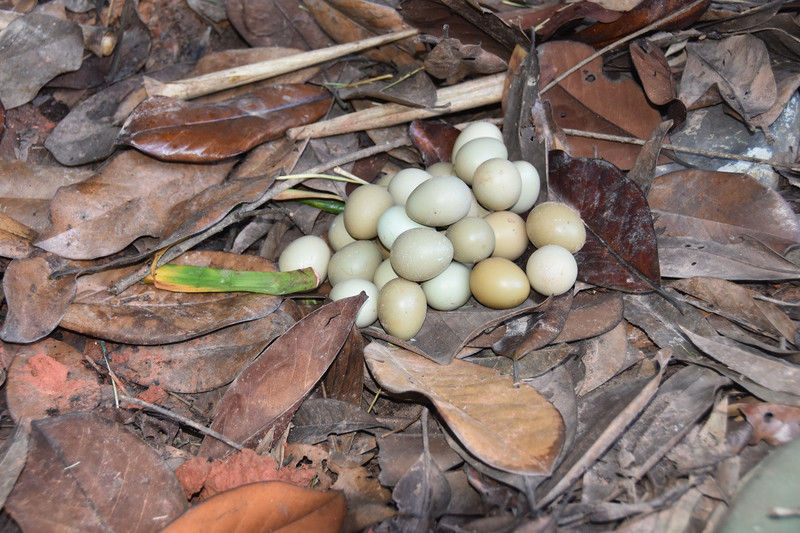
(551, 270)
(475, 130)
(531, 184)
(392, 223)
(475, 152)
(450, 289)
(337, 233)
(404, 182)
(307, 251)
(440, 201)
(351, 287)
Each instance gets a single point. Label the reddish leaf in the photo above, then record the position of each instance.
(433, 139)
(774, 423)
(644, 14)
(36, 302)
(588, 100)
(654, 72)
(269, 506)
(620, 250)
(547, 19)
(276, 23)
(48, 378)
(185, 131)
(85, 473)
(592, 313)
(268, 392)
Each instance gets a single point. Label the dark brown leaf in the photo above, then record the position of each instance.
(268, 506)
(267, 393)
(654, 72)
(421, 495)
(433, 139)
(592, 313)
(644, 169)
(344, 379)
(722, 207)
(174, 130)
(276, 23)
(644, 14)
(85, 473)
(620, 250)
(452, 61)
(132, 196)
(145, 315)
(549, 18)
(36, 303)
(319, 417)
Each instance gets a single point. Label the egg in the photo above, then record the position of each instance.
(337, 233)
(392, 223)
(531, 185)
(384, 273)
(358, 259)
(450, 289)
(497, 184)
(402, 308)
(556, 223)
(476, 130)
(475, 152)
(363, 208)
(441, 168)
(404, 182)
(510, 238)
(307, 251)
(472, 238)
(440, 201)
(351, 287)
(420, 254)
(551, 269)
(499, 283)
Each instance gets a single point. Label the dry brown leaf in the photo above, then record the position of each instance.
(132, 196)
(262, 507)
(512, 429)
(776, 424)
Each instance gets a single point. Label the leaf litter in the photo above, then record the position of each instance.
(640, 398)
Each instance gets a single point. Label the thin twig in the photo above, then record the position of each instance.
(682, 149)
(620, 42)
(182, 419)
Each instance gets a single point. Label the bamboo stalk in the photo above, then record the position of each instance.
(468, 95)
(237, 76)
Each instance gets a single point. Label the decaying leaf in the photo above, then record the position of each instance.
(174, 130)
(452, 61)
(267, 506)
(776, 424)
(513, 429)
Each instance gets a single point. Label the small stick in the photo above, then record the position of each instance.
(182, 419)
(468, 95)
(237, 76)
(682, 149)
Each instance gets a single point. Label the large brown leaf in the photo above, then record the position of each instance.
(143, 314)
(722, 207)
(276, 23)
(200, 364)
(620, 250)
(132, 196)
(268, 392)
(174, 130)
(589, 100)
(85, 473)
(266, 506)
(512, 429)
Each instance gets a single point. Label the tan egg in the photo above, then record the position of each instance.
(510, 238)
(497, 184)
(440, 201)
(556, 223)
(499, 283)
(475, 152)
(472, 238)
(337, 233)
(420, 254)
(402, 308)
(531, 185)
(476, 130)
(358, 259)
(404, 182)
(363, 208)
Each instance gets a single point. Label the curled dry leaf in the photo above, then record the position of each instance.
(268, 506)
(621, 250)
(512, 429)
(268, 392)
(85, 473)
(174, 130)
